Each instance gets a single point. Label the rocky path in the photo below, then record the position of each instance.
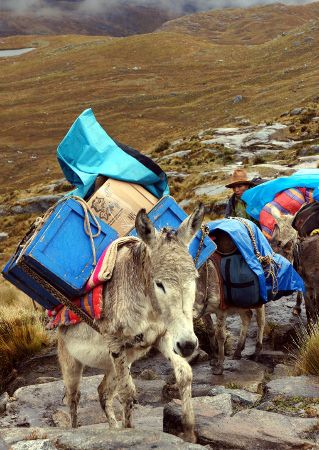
(254, 404)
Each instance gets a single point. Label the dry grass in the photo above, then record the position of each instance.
(307, 353)
(147, 89)
(22, 329)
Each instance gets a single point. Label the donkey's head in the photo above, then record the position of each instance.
(172, 274)
(284, 237)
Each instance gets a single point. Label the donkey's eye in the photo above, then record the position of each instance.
(160, 285)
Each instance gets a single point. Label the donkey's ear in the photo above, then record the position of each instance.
(191, 225)
(144, 227)
(276, 234)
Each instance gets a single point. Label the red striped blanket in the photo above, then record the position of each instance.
(285, 202)
(92, 301)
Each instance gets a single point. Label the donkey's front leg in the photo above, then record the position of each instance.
(107, 390)
(126, 390)
(184, 377)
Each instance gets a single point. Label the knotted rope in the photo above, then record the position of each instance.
(269, 265)
(205, 232)
(39, 222)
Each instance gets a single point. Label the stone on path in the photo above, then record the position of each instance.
(303, 386)
(248, 429)
(42, 405)
(95, 437)
(241, 374)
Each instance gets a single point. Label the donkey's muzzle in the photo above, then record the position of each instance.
(186, 348)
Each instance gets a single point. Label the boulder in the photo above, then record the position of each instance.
(96, 437)
(303, 386)
(248, 429)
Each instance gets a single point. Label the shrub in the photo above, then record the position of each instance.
(306, 354)
(22, 329)
(161, 146)
(258, 159)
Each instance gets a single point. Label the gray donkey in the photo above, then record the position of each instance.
(147, 302)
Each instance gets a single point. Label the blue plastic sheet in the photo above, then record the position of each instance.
(288, 279)
(88, 151)
(256, 198)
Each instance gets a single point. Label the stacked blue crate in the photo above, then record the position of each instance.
(60, 253)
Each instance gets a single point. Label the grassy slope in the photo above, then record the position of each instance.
(182, 84)
(248, 26)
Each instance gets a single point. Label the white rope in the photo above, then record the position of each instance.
(39, 222)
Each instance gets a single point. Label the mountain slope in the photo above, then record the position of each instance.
(124, 20)
(143, 89)
(254, 25)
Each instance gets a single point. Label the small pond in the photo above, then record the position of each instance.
(14, 52)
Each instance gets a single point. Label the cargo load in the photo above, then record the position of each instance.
(118, 202)
(60, 252)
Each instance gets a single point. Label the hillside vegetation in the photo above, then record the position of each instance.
(247, 26)
(143, 89)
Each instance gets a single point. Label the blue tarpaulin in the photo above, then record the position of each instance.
(88, 151)
(256, 198)
(288, 279)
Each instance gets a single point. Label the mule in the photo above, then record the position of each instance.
(208, 301)
(147, 302)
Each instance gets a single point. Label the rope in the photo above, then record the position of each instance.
(267, 262)
(60, 297)
(39, 222)
(205, 232)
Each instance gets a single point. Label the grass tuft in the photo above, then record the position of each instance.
(22, 329)
(306, 355)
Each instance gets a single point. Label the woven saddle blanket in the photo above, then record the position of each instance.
(285, 202)
(91, 302)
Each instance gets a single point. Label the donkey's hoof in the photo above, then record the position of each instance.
(218, 369)
(296, 311)
(189, 436)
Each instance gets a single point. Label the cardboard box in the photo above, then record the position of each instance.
(118, 202)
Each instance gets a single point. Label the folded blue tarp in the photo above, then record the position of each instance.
(88, 151)
(256, 198)
(288, 279)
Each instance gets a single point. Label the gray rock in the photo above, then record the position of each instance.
(281, 371)
(242, 374)
(35, 204)
(3, 235)
(4, 398)
(39, 444)
(177, 175)
(41, 380)
(98, 437)
(180, 154)
(303, 386)
(42, 404)
(3, 445)
(248, 429)
(237, 395)
(237, 99)
(297, 111)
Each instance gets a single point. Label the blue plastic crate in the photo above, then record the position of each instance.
(167, 213)
(16, 274)
(60, 253)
